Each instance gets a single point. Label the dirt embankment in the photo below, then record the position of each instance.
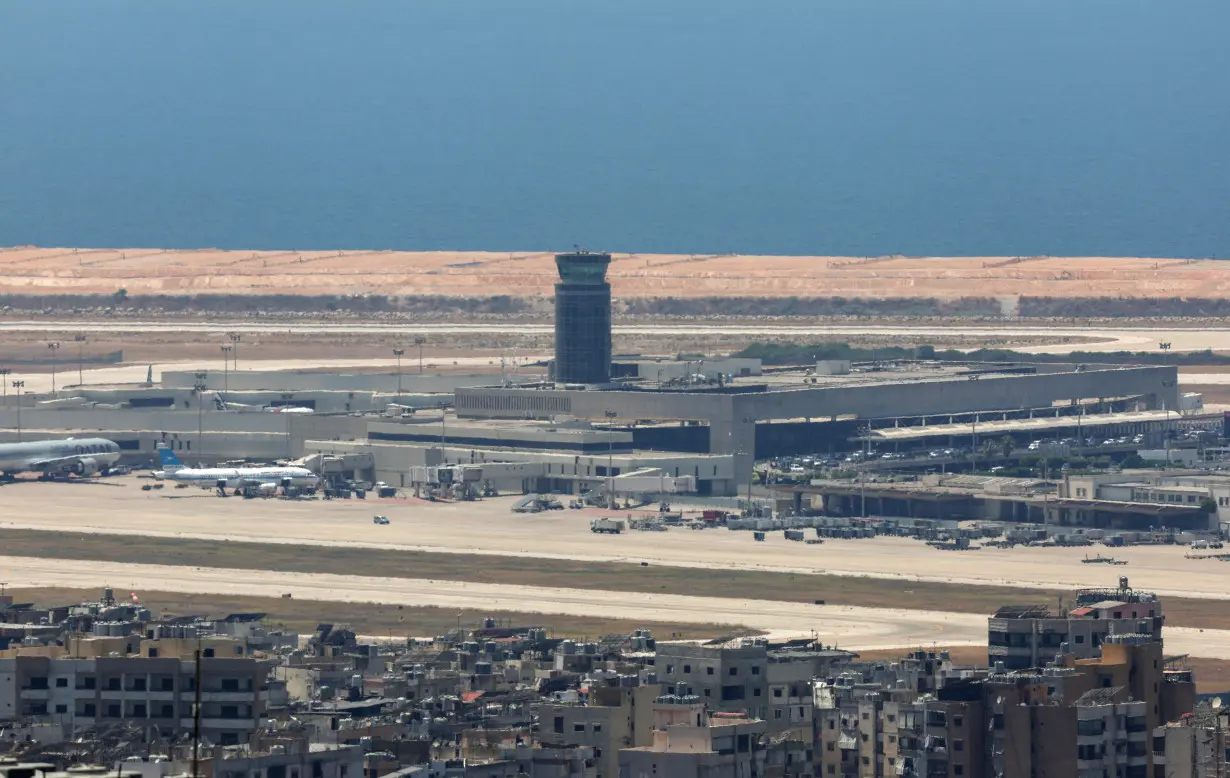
(375, 284)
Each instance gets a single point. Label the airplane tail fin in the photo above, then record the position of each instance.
(170, 462)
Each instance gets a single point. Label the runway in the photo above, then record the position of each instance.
(1110, 338)
(844, 626)
(488, 527)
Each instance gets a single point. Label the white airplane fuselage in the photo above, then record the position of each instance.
(82, 456)
(238, 477)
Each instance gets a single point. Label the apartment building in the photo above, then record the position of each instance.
(1025, 636)
(689, 742)
(1195, 746)
(730, 678)
(613, 717)
(83, 685)
(1057, 719)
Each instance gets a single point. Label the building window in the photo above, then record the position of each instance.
(61, 683)
(777, 692)
(61, 709)
(958, 769)
(687, 669)
(597, 728)
(734, 671)
(755, 670)
(578, 727)
(777, 714)
(670, 669)
(559, 724)
(755, 692)
(708, 671)
(958, 721)
(958, 745)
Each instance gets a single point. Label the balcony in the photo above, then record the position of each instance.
(240, 697)
(214, 722)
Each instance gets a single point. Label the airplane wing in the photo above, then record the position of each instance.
(249, 481)
(55, 462)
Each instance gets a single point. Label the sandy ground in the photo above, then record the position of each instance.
(489, 527)
(41, 270)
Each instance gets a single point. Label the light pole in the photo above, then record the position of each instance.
(55, 348)
(443, 430)
(973, 449)
(226, 372)
(398, 352)
(18, 385)
(751, 474)
(4, 383)
(610, 461)
(862, 472)
(200, 386)
(235, 338)
(419, 341)
(80, 338)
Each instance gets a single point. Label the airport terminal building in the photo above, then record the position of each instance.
(588, 417)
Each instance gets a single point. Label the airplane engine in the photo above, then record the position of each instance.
(266, 489)
(85, 466)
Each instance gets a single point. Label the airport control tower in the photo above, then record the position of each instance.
(582, 319)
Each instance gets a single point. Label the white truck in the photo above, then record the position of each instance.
(609, 526)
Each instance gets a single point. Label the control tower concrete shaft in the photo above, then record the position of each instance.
(582, 319)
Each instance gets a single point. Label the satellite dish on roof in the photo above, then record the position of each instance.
(1217, 703)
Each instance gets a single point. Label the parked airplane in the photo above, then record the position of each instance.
(259, 480)
(58, 458)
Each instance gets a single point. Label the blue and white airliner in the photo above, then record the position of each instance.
(263, 480)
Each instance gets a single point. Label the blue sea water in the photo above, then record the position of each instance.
(863, 127)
